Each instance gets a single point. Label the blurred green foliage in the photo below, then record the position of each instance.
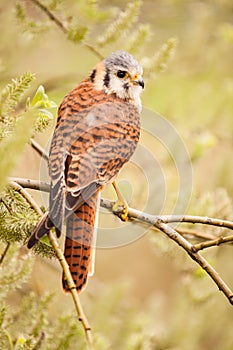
(18, 126)
(195, 92)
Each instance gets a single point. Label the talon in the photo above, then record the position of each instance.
(121, 210)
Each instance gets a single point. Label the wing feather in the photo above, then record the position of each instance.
(97, 140)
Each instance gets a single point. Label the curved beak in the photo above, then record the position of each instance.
(138, 81)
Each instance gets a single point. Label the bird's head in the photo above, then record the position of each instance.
(120, 74)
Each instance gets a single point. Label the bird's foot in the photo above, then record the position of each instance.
(120, 209)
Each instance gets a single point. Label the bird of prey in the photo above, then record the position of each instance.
(97, 131)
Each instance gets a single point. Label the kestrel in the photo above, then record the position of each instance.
(97, 131)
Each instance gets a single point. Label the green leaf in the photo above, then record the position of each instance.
(39, 95)
(77, 33)
(138, 38)
(13, 92)
(13, 145)
(40, 100)
(20, 343)
(123, 22)
(41, 103)
(158, 63)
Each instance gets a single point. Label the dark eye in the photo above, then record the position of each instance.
(121, 74)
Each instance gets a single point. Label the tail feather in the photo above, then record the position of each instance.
(41, 229)
(80, 239)
(79, 242)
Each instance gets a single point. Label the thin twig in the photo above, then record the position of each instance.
(81, 315)
(17, 187)
(212, 243)
(188, 247)
(137, 214)
(61, 25)
(134, 213)
(51, 15)
(4, 252)
(160, 223)
(40, 150)
(8, 243)
(195, 234)
(32, 184)
(6, 205)
(92, 49)
(195, 219)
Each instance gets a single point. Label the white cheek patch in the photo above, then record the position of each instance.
(134, 95)
(116, 86)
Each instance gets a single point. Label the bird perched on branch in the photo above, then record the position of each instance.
(97, 131)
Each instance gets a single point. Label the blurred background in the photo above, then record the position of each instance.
(146, 282)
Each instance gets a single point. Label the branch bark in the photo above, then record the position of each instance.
(40, 150)
(212, 243)
(190, 249)
(2, 257)
(134, 213)
(62, 27)
(161, 223)
(78, 306)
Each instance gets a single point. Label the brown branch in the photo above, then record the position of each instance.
(205, 220)
(212, 243)
(189, 248)
(151, 219)
(134, 213)
(32, 184)
(195, 234)
(17, 187)
(6, 205)
(160, 222)
(2, 257)
(78, 306)
(51, 15)
(63, 28)
(40, 150)
(81, 315)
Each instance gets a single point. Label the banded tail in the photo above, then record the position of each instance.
(80, 241)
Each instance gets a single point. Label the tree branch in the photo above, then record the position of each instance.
(151, 219)
(63, 28)
(19, 188)
(195, 234)
(134, 213)
(51, 15)
(78, 306)
(212, 243)
(81, 315)
(181, 241)
(205, 220)
(2, 257)
(31, 184)
(40, 150)
(160, 222)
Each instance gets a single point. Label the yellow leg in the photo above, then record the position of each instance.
(120, 204)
